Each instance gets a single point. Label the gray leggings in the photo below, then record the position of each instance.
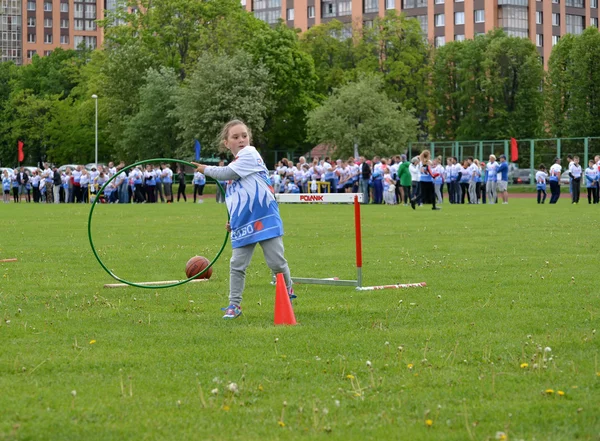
(240, 259)
(472, 192)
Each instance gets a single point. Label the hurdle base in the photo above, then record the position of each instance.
(333, 281)
(164, 282)
(398, 286)
(14, 259)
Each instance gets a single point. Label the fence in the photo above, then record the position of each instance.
(532, 152)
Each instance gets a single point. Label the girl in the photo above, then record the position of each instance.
(84, 182)
(150, 184)
(540, 180)
(427, 194)
(591, 182)
(5, 187)
(575, 174)
(35, 184)
(465, 178)
(389, 188)
(438, 182)
(254, 212)
(477, 181)
(199, 183)
(15, 186)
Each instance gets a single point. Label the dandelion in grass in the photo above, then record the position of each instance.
(260, 387)
(549, 391)
(92, 342)
(233, 388)
(215, 391)
(501, 436)
(429, 423)
(524, 365)
(281, 423)
(560, 393)
(226, 408)
(410, 366)
(350, 377)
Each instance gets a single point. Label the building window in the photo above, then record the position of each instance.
(440, 20)
(90, 25)
(64, 7)
(575, 24)
(243, 2)
(47, 22)
(30, 38)
(390, 4)
(90, 42)
(327, 9)
(409, 4)
(48, 38)
(422, 19)
(555, 39)
(514, 20)
(459, 37)
(594, 22)
(594, 4)
(439, 41)
(345, 8)
(574, 3)
(47, 6)
(64, 24)
(539, 17)
(79, 25)
(439, 2)
(90, 12)
(79, 10)
(30, 54)
(31, 6)
(47, 53)
(556, 2)
(555, 19)
(479, 16)
(31, 22)
(64, 39)
(368, 24)
(539, 40)
(289, 14)
(371, 6)
(311, 12)
(459, 1)
(459, 18)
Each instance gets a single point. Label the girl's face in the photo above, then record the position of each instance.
(237, 138)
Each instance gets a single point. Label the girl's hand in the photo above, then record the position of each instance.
(199, 167)
(228, 227)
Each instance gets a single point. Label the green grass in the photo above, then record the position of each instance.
(504, 282)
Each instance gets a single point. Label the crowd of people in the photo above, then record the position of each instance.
(422, 180)
(390, 181)
(48, 184)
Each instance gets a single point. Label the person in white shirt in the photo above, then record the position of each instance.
(84, 182)
(540, 183)
(415, 175)
(591, 182)
(555, 172)
(167, 181)
(492, 173)
(575, 175)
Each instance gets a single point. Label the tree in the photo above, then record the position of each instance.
(293, 86)
(584, 117)
(362, 113)
(559, 85)
(152, 132)
(221, 88)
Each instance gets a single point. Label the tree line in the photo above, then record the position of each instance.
(175, 72)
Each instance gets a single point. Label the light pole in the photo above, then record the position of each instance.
(95, 97)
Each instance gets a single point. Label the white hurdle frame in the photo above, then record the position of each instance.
(340, 198)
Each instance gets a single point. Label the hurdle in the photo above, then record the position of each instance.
(164, 282)
(14, 259)
(340, 198)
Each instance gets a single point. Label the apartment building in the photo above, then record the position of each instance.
(542, 21)
(29, 27)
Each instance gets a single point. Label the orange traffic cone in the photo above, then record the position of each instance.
(284, 314)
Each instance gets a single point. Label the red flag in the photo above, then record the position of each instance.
(514, 150)
(21, 154)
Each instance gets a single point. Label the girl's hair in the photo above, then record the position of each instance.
(476, 162)
(425, 155)
(225, 130)
(542, 167)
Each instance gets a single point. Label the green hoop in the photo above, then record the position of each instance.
(113, 275)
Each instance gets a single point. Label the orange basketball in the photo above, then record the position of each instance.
(197, 264)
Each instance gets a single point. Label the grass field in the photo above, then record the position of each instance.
(503, 339)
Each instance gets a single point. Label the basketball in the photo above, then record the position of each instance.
(197, 264)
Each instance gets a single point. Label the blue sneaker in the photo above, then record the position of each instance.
(292, 295)
(232, 312)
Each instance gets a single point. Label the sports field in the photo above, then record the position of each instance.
(502, 344)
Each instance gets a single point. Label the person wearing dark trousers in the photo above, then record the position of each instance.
(405, 180)
(377, 181)
(22, 180)
(575, 175)
(181, 182)
(540, 181)
(199, 183)
(555, 172)
(365, 177)
(150, 184)
(591, 182)
(427, 176)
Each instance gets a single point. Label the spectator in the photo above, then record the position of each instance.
(540, 183)
(555, 172)
(503, 179)
(405, 179)
(575, 175)
(492, 179)
(181, 182)
(591, 182)
(365, 177)
(5, 187)
(56, 184)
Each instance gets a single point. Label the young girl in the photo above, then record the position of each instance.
(389, 188)
(575, 175)
(591, 182)
(199, 183)
(540, 179)
(5, 187)
(254, 212)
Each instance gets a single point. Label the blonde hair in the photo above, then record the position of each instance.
(227, 127)
(425, 155)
